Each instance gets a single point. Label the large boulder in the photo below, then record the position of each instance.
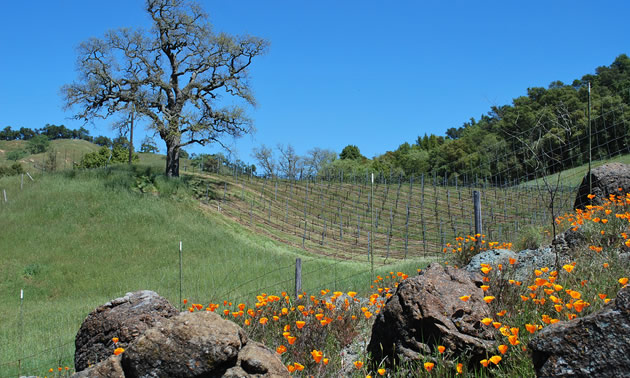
(199, 344)
(126, 318)
(597, 345)
(605, 180)
(426, 311)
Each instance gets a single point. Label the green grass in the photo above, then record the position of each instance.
(573, 177)
(73, 241)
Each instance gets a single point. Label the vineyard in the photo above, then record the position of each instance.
(389, 219)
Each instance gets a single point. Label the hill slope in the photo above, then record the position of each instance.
(75, 240)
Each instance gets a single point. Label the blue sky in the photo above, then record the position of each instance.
(370, 73)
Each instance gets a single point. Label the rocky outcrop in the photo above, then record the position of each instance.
(491, 257)
(605, 180)
(426, 311)
(525, 261)
(597, 345)
(199, 344)
(125, 318)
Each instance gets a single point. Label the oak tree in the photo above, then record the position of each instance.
(173, 74)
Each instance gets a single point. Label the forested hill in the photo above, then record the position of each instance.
(543, 131)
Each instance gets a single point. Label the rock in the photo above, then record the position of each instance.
(254, 360)
(492, 257)
(198, 344)
(527, 261)
(605, 180)
(426, 310)
(110, 368)
(597, 345)
(568, 241)
(125, 318)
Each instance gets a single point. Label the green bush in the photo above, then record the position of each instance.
(13, 169)
(38, 144)
(105, 156)
(16, 155)
(529, 238)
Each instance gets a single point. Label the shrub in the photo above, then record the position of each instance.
(14, 169)
(38, 144)
(16, 155)
(105, 156)
(529, 238)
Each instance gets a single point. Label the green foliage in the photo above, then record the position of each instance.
(149, 146)
(16, 155)
(105, 156)
(350, 152)
(13, 169)
(38, 144)
(530, 237)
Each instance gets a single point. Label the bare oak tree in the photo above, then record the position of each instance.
(264, 157)
(174, 74)
(289, 163)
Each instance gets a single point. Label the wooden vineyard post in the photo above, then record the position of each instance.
(340, 225)
(298, 276)
(477, 208)
(407, 232)
(370, 243)
(424, 236)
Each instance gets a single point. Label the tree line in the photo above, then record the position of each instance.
(545, 130)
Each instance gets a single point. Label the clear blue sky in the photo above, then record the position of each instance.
(370, 73)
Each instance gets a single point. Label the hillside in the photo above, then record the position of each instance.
(77, 239)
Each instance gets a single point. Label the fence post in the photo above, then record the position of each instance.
(477, 205)
(298, 276)
(181, 276)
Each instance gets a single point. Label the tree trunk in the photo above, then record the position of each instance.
(172, 157)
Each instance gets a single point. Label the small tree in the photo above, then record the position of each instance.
(289, 162)
(350, 152)
(172, 74)
(264, 157)
(148, 146)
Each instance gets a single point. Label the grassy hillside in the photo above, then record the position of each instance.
(573, 177)
(75, 240)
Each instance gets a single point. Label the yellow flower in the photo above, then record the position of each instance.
(299, 324)
(495, 359)
(488, 298)
(281, 349)
(502, 348)
(381, 371)
(623, 280)
(568, 268)
(460, 368)
(118, 351)
(358, 364)
(441, 348)
(115, 340)
(465, 298)
(428, 366)
(486, 321)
